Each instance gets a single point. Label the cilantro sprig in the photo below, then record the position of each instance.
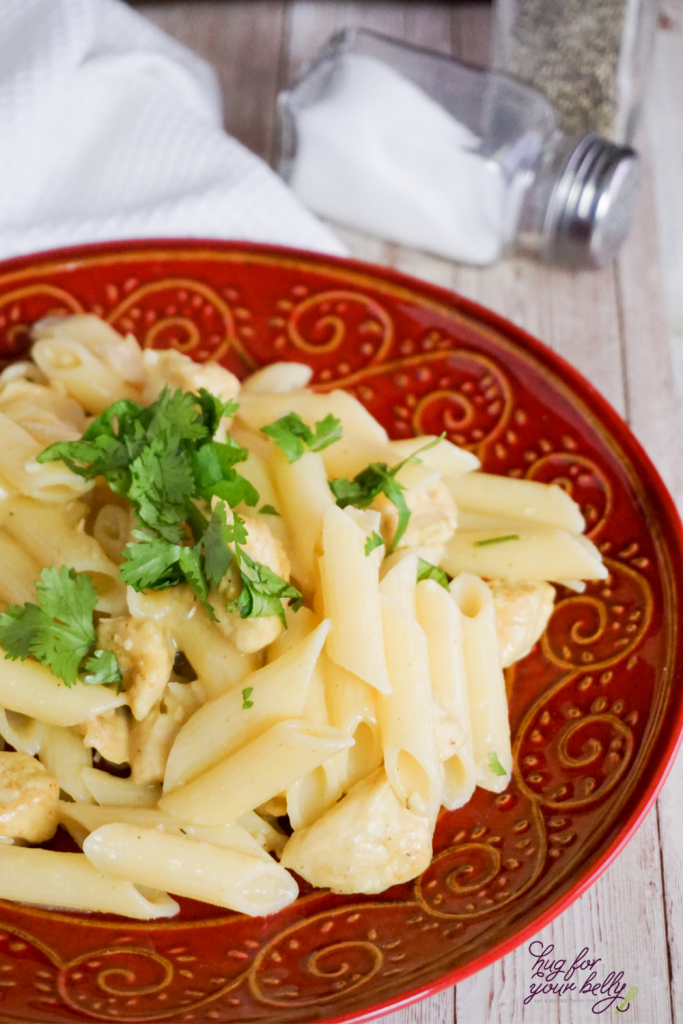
(152, 563)
(378, 479)
(294, 436)
(160, 457)
(427, 571)
(59, 631)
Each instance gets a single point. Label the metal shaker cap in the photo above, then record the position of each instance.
(592, 206)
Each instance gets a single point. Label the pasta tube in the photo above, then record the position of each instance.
(304, 498)
(485, 683)
(64, 755)
(108, 789)
(541, 553)
(69, 881)
(257, 411)
(91, 817)
(226, 878)
(406, 716)
(440, 619)
(350, 587)
(31, 689)
(221, 726)
(445, 456)
(524, 500)
(255, 773)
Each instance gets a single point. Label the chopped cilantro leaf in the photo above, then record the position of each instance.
(373, 541)
(217, 554)
(495, 540)
(59, 631)
(162, 483)
(494, 764)
(151, 563)
(427, 571)
(102, 667)
(268, 510)
(262, 589)
(294, 436)
(246, 694)
(378, 479)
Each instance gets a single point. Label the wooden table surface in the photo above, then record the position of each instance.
(623, 328)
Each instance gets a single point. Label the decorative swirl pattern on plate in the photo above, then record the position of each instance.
(97, 985)
(321, 323)
(603, 625)
(473, 409)
(583, 480)
(21, 307)
(179, 313)
(327, 961)
(483, 868)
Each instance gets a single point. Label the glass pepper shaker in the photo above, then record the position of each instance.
(426, 151)
(589, 58)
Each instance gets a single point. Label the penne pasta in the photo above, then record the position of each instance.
(22, 733)
(258, 410)
(31, 689)
(485, 683)
(406, 715)
(350, 588)
(524, 500)
(110, 789)
(248, 884)
(540, 553)
(441, 619)
(303, 500)
(91, 817)
(278, 379)
(256, 772)
(445, 456)
(69, 881)
(278, 691)
(64, 756)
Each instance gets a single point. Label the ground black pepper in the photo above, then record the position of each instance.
(588, 57)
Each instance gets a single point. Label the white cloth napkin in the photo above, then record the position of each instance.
(112, 130)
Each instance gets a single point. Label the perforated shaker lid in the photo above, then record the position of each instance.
(593, 203)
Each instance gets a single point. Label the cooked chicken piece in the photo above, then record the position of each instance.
(167, 366)
(29, 799)
(262, 546)
(522, 613)
(108, 733)
(433, 516)
(145, 653)
(151, 740)
(366, 843)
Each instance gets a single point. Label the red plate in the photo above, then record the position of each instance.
(595, 713)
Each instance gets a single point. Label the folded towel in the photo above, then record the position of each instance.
(113, 130)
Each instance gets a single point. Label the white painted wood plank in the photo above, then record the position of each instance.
(664, 133)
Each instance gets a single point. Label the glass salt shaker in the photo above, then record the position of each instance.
(420, 149)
